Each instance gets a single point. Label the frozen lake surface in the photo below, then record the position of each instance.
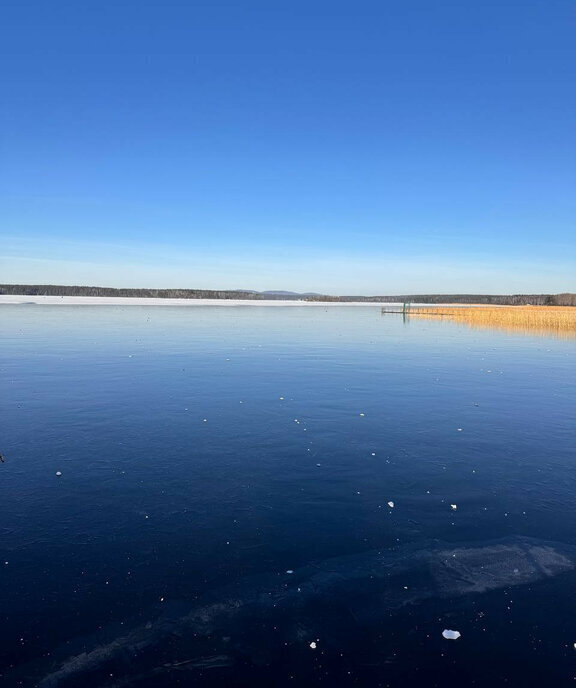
(283, 497)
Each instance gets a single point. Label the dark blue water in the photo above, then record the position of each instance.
(205, 451)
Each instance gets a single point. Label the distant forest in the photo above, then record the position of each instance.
(503, 299)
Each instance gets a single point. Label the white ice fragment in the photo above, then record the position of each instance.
(459, 429)
(362, 414)
(450, 635)
(313, 645)
(453, 507)
(373, 453)
(58, 473)
(574, 643)
(391, 505)
(290, 571)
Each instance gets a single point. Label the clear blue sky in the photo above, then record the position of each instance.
(346, 147)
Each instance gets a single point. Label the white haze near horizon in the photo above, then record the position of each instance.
(330, 275)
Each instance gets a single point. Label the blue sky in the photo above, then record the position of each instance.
(345, 147)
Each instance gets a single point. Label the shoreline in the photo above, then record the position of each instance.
(21, 300)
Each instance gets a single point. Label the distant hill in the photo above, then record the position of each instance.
(288, 294)
(502, 299)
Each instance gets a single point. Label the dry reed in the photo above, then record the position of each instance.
(559, 321)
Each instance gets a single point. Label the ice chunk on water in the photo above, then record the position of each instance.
(450, 635)
(391, 505)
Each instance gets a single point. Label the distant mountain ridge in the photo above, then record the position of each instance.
(566, 299)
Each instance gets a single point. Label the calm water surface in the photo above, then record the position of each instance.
(205, 452)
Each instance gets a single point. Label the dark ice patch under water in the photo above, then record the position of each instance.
(248, 625)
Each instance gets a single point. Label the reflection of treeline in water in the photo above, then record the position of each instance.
(488, 299)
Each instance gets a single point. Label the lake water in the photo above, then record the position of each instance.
(206, 452)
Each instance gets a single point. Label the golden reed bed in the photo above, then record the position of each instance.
(559, 321)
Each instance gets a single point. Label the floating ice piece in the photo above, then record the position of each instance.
(391, 505)
(362, 414)
(451, 635)
(290, 571)
(453, 507)
(313, 645)
(58, 473)
(574, 643)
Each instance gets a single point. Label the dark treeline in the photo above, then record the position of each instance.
(494, 299)
(59, 290)
(505, 299)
